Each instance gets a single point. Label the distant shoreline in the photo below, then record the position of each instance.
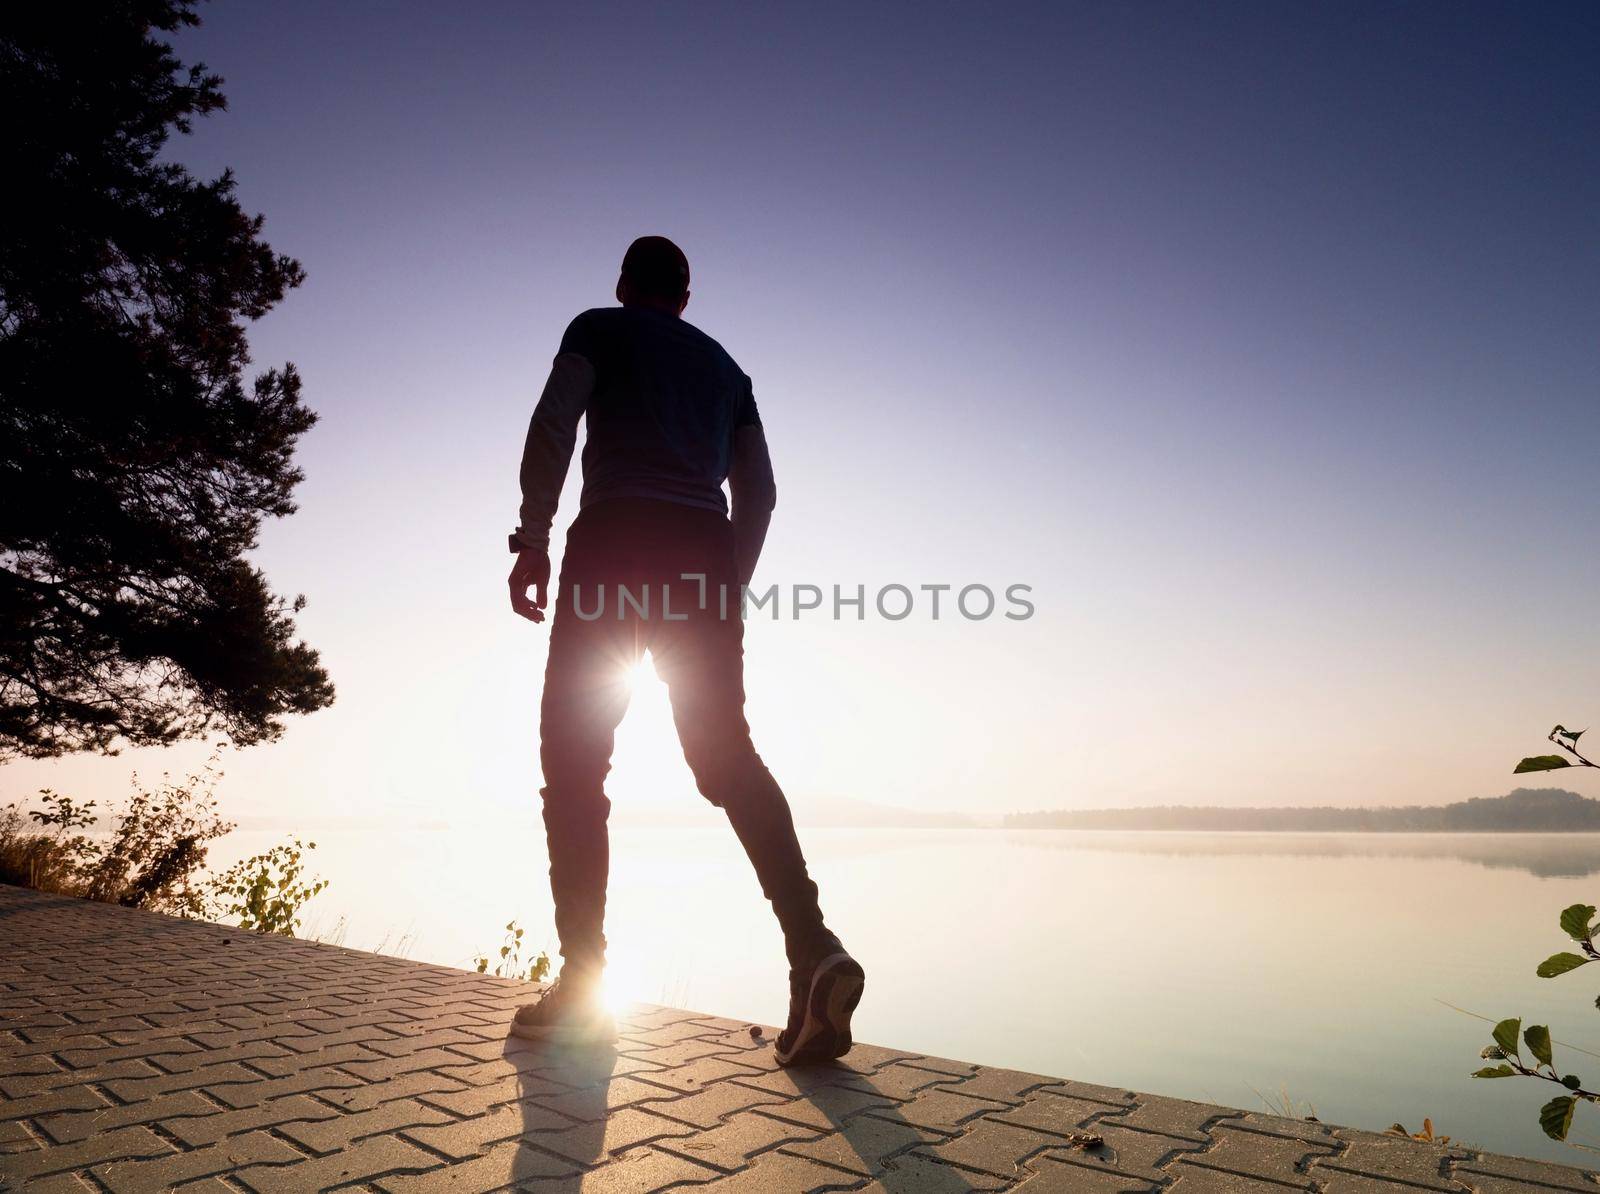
(1526, 810)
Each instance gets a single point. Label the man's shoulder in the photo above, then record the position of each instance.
(710, 342)
(595, 316)
(589, 332)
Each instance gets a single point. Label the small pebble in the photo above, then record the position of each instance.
(755, 1032)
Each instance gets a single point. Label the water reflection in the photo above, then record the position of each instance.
(1545, 855)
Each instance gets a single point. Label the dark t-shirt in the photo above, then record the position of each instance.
(667, 400)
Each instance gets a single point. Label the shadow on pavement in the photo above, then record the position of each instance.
(580, 1108)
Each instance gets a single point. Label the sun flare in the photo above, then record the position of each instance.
(617, 994)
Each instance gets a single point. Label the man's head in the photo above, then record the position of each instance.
(655, 273)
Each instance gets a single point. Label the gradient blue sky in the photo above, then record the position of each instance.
(1260, 339)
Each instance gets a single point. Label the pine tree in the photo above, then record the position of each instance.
(136, 464)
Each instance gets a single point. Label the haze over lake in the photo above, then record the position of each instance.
(1223, 967)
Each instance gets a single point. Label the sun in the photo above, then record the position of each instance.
(638, 674)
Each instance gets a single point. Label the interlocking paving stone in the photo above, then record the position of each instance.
(371, 1158)
(597, 1101)
(914, 1174)
(164, 1172)
(638, 1172)
(939, 1109)
(860, 1144)
(1338, 1181)
(460, 1139)
(511, 1162)
(1004, 1086)
(732, 1143)
(1476, 1171)
(56, 1081)
(593, 1143)
(1141, 1156)
(1172, 1117)
(1377, 1158)
(705, 1108)
(433, 1088)
(901, 1082)
(64, 1183)
(141, 1053)
(80, 1154)
(701, 1073)
(331, 1134)
(1051, 1176)
(1045, 1111)
(825, 1107)
(15, 1137)
(207, 1128)
(80, 1125)
(1196, 1179)
(783, 1171)
(253, 1089)
(1257, 1154)
(990, 1146)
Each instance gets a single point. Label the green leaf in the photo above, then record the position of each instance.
(1538, 1038)
(1571, 736)
(1495, 1071)
(1559, 964)
(1555, 1117)
(1505, 1035)
(1540, 763)
(1572, 1082)
(1575, 921)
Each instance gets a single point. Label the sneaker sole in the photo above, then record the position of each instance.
(836, 988)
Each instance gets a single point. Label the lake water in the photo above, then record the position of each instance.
(1233, 968)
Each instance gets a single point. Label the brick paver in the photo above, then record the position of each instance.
(142, 1053)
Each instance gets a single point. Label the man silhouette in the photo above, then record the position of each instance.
(654, 563)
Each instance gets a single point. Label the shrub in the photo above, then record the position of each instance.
(266, 892)
(152, 859)
(510, 964)
(155, 855)
(158, 848)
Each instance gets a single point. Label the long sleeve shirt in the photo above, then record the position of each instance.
(669, 414)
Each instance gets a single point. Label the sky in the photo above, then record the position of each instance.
(1259, 340)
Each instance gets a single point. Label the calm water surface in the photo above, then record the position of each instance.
(1232, 968)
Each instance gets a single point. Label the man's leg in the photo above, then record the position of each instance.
(585, 695)
(702, 662)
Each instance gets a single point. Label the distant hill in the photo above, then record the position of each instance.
(1526, 810)
(816, 812)
(837, 812)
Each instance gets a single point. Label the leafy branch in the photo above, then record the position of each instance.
(1567, 740)
(1577, 922)
(1555, 1117)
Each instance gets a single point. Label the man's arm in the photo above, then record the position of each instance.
(754, 495)
(546, 453)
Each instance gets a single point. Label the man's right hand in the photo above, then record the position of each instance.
(532, 570)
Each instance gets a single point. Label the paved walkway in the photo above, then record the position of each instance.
(140, 1052)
